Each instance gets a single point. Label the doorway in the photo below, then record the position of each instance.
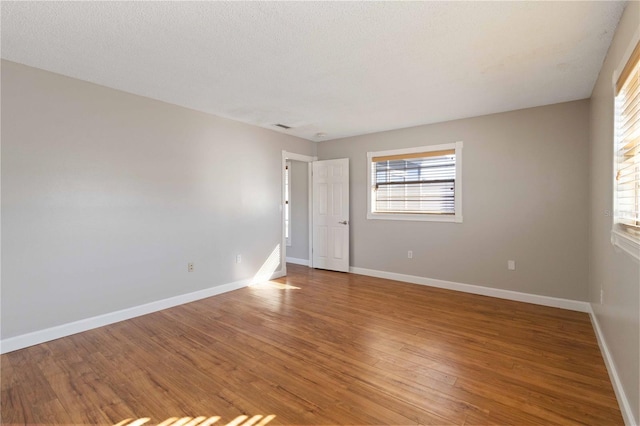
(296, 247)
(327, 224)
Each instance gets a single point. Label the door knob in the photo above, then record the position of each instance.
(344, 222)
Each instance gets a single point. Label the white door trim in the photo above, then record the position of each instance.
(306, 159)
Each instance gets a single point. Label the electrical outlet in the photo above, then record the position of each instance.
(190, 267)
(511, 265)
(238, 258)
(410, 254)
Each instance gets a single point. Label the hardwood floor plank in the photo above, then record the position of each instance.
(319, 347)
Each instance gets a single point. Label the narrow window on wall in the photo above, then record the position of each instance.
(627, 155)
(421, 183)
(287, 203)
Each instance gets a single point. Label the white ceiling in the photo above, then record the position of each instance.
(340, 68)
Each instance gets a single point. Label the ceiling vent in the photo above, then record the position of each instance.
(284, 126)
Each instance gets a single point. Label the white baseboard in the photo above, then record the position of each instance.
(555, 302)
(304, 262)
(18, 342)
(625, 407)
(277, 274)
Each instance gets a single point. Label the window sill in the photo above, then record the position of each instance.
(626, 243)
(416, 217)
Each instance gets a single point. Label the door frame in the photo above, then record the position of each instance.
(286, 156)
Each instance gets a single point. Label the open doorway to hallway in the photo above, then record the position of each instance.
(296, 207)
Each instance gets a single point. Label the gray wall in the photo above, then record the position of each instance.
(524, 198)
(616, 273)
(106, 196)
(299, 247)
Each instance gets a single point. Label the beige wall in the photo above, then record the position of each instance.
(299, 247)
(616, 273)
(524, 198)
(106, 196)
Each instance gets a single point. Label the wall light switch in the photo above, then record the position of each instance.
(238, 258)
(511, 265)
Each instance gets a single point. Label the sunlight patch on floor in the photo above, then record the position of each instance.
(257, 420)
(276, 285)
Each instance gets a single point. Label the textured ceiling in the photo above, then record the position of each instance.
(340, 68)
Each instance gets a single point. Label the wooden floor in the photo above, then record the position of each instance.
(320, 347)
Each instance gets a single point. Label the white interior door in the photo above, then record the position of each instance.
(331, 214)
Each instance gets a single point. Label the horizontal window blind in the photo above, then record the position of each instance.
(627, 208)
(415, 183)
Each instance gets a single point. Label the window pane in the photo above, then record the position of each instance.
(415, 185)
(627, 182)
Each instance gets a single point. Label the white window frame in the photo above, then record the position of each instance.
(619, 238)
(457, 217)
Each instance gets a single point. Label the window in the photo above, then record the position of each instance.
(287, 203)
(626, 232)
(416, 184)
